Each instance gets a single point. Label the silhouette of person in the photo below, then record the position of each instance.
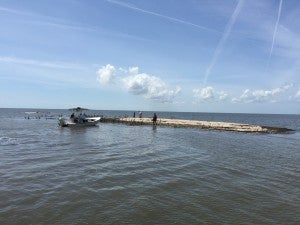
(154, 119)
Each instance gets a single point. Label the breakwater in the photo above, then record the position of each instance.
(211, 125)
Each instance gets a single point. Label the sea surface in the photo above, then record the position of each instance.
(120, 174)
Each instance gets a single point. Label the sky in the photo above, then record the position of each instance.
(227, 56)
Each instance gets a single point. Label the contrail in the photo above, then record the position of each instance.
(223, 40)
(17, 12)
(128, 6)
(275, 31)
(33, 62)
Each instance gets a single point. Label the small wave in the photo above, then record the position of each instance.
(8, 141)
(5, 141)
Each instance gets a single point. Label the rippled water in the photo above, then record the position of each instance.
(118, 174)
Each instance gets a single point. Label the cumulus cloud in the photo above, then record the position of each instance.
(261, 95)
(133, 70)
(106, 74)
(297, 96)
(149, 86)
(209, 94)
(136, 83)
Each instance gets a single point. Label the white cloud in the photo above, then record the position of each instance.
(297, 96)
(150, 87)
(122, 70)
(106, 74)
(133, 70)
(209, 94)
(262, 95)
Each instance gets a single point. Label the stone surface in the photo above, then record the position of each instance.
(248, 128)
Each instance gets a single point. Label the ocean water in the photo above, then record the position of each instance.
(119, 174)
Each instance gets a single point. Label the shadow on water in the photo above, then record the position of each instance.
(154, 128)
(77, 130)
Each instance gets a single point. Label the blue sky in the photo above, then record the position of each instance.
(173, 55)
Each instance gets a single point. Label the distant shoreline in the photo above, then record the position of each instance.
(158, 111)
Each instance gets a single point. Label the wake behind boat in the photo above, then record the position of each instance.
(78, 119)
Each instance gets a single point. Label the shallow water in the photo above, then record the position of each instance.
(118, 174)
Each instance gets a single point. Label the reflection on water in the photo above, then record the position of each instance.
(117, 174)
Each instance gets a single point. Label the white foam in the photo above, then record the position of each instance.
(4, 141)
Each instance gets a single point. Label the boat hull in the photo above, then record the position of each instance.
(88, 122)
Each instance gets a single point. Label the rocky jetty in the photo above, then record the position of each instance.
(211, 125)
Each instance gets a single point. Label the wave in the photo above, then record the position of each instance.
(5, 141)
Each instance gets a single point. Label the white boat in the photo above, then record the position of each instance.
(39, 115)
(34, 115)
(85, 122)
(80, 120)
